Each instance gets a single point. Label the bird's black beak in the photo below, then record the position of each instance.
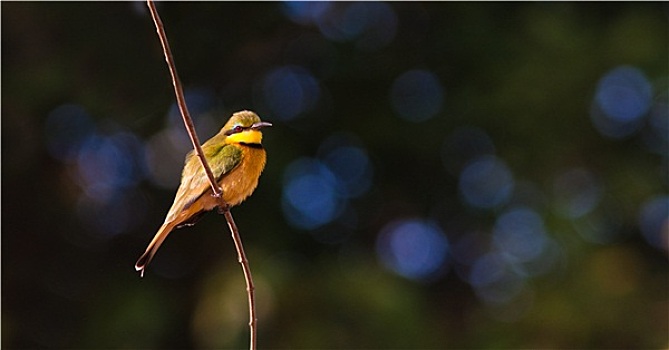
(260, 125)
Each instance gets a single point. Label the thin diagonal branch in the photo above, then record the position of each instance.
(217, 192)
(181, 100)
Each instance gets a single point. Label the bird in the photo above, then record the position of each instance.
(236, 158)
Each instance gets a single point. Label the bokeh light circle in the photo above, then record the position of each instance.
(486, 182)
(290, 91)
(623, 97)
(417, 95)
(310, 197)
(371, 25)
(494, 279)
(352, 169)
(654, 222)
(413, 248)
(577, 192)
(106, 164)
(624, 94)
(66, 128)
(519, 233)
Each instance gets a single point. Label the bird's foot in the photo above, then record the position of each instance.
(222, 209)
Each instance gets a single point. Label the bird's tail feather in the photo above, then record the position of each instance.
(151, 250)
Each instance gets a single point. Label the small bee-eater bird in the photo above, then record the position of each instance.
(236, 158)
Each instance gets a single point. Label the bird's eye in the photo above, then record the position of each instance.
(235, 129)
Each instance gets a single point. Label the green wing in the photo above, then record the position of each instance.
(194, 182)
(223, 160)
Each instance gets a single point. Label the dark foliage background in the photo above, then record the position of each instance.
(440, 175)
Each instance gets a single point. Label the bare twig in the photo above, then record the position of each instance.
(216, 189)
(181, 100)
(250, 288)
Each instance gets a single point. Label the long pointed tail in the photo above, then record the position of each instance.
(151, 250)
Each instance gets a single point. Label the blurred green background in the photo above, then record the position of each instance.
(440, 175)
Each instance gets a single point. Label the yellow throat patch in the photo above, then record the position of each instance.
(246, 136)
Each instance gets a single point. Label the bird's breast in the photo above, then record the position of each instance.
(241, 181)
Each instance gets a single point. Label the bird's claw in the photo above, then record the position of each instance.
(222, 209)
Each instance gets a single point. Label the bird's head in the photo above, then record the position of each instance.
(244, 127)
